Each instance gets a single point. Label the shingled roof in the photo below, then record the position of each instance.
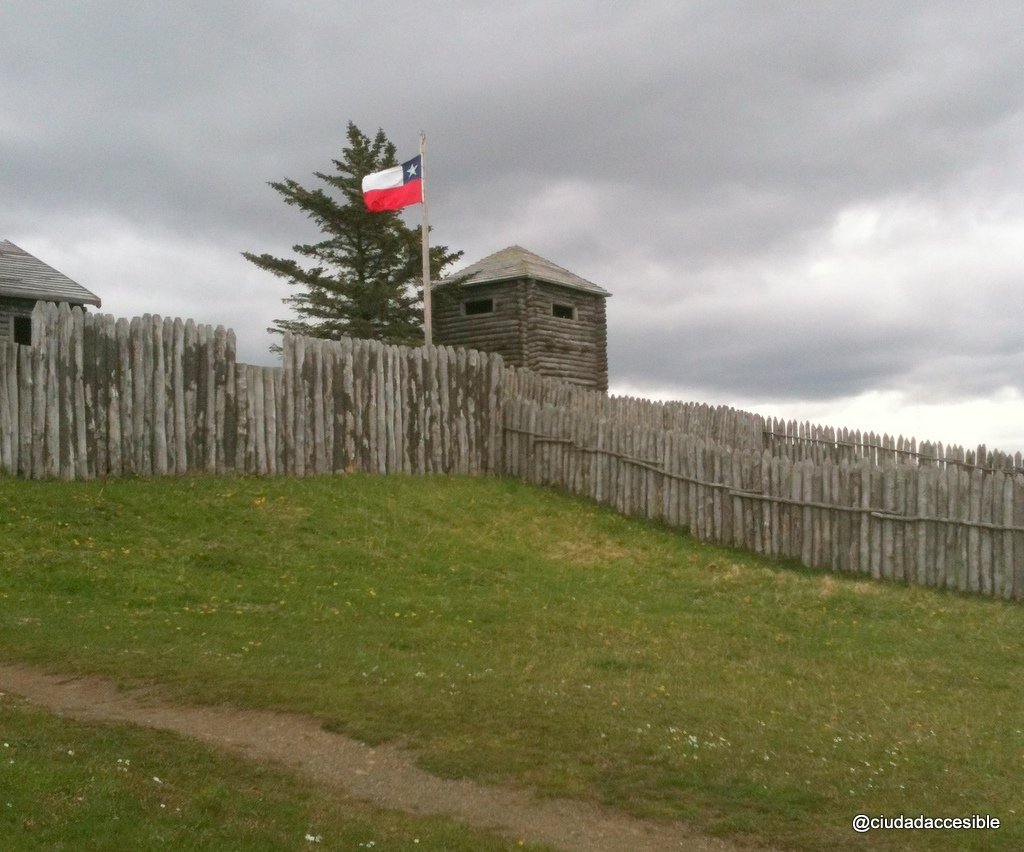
(516, 262)
(23, 276)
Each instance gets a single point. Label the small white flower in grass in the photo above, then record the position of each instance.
(314, 838)
(158, 781)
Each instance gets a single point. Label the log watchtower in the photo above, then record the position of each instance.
(532, 312)
(25, 280)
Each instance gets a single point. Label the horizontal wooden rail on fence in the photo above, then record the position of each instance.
(657, 467)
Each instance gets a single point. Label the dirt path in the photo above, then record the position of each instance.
(384, 775)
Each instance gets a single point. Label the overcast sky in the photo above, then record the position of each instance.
(813, 210)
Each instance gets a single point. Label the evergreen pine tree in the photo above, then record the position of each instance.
(362, 279)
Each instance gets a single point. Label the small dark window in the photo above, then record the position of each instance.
(563, 311)
(478, 306)
(23, 330)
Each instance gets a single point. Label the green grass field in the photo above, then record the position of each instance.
(512, 634)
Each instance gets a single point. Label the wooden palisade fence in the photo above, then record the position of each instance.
(938, 524)
(98, 396)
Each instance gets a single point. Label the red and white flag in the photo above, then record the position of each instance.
(394, 188)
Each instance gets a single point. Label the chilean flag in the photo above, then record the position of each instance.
(394, 188)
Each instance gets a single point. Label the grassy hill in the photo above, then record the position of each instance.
(512, 634)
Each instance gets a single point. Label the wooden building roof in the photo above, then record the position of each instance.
(516, 262)
(23, 276)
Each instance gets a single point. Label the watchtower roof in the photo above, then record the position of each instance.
(23, 276)
(516, 262)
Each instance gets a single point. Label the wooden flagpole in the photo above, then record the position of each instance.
(426, 243)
